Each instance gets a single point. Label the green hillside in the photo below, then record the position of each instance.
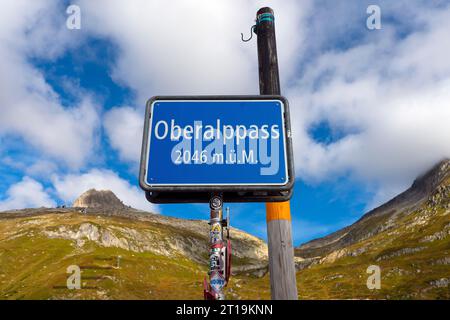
(414, 260)
(33, 261)
(129, 254)
(408, 238)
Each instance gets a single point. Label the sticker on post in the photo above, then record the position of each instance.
(215, 237)
(214, 263)
(217, 282)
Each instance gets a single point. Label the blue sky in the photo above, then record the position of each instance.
(370, 108)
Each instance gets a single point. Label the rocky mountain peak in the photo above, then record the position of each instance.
(434, 177)
(98, 199)
(386, 216)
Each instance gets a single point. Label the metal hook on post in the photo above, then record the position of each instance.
(252, 29)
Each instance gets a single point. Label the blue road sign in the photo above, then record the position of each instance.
(228, 143)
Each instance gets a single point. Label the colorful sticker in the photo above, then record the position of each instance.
(215, 227)
(217, 282)
(214, 236)
(214, 261)
(217, 249)
(214, 265)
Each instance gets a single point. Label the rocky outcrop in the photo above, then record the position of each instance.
(401, 252)
(102, 199)
(165, 235)
(161, 235)
(122, 237)
(129, 254)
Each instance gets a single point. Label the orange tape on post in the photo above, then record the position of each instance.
(278, 211)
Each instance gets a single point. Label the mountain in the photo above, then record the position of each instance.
(407, 237)
(123, 253)
(104, 199)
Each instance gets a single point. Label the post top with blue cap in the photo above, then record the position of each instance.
(264, 15)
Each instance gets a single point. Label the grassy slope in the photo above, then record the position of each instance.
(33, 266)
(407, 276)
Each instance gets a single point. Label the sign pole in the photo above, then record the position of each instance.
(281, 252)
(219, 252)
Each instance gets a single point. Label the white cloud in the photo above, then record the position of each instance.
(388, 89)
(70, 186)
(27, 193)
(41, 169)
(189, 47)
(185, 48)
(388, 92)
(391, 96)
(29, 106)
(124, 127)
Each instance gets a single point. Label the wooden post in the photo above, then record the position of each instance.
(279, 235)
